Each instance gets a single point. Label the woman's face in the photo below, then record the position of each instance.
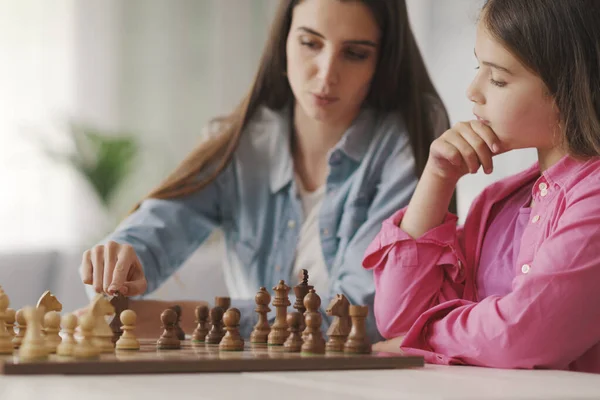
(332, 50)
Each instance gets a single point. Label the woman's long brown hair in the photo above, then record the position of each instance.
(400, 83)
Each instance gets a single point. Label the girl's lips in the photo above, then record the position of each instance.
(483, 121)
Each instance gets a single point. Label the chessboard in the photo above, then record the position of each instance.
(202, 358)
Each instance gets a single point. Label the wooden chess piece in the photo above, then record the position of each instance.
(203, 326)
(52, 329)
(300, 291)
(128, 341)
(68, 343)
(293, 343)
(232, 341)
(261, 331)
(340, 326)
(178, 330)
(21, 329)
(314, 341)
(33, 346)
(215, 334)
(100, 308)
(279, 330)
(224, 303)
(86, 348)
(48, 302)
(10, 322)
(6, 346)
(358, 342)
(120, 303)
(168, 340)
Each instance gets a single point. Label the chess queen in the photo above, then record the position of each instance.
(330, 140)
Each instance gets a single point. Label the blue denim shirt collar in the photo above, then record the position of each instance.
(354, 143)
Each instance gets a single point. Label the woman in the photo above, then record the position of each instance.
(327, 144)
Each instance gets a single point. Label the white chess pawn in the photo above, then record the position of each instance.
(67, 346)
(128, 341)
(33, 346)
(10, 321)
(22, 329)
(52, 329)
(6, 346)
(85, 348)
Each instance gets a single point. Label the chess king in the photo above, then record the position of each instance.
(330, 141)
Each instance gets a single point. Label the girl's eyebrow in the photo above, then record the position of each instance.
(492, 65)
(356, 41)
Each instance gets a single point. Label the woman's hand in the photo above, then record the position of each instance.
(113, 267)
(462, 150)
(389, 346)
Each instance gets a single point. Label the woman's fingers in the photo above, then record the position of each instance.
(98, 265)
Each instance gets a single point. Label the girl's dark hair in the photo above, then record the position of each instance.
(559, 40)
(400, 84)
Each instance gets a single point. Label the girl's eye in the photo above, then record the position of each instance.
(497, 83)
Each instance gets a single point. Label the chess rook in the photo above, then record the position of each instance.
(261, 331)
(279, 330)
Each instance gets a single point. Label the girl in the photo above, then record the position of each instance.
(517, 286)
(328, 143)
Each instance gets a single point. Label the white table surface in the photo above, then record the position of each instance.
(431, 382)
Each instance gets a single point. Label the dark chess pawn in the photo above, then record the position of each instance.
(261, 331)
(216, 331)
(168, 340)
(203, 325)
(178, 329)
(358, 341)
(294, 342)
(312, 335)
(232, 341)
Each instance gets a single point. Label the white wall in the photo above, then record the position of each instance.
(445, 31)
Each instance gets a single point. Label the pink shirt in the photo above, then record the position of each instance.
(549, 316)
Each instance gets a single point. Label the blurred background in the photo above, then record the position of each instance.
(100, 99)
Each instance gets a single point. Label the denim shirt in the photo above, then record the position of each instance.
(255, 202)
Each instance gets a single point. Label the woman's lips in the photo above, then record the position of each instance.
(323, 100)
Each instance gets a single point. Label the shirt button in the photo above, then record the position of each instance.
(535, 219)
(278, 268)
(291, 224)
(325, 232)
(525, 268)
(543, 186)
(543, 192)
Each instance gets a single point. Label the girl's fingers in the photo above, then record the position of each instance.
(484, 153)
(468, 153)
(487, 135)
(86, 269)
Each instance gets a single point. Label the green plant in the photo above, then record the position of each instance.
(103, 158)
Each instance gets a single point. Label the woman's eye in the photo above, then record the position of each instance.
(356, 55)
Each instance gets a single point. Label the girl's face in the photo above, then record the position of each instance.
(511, 99)
(332, 49)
